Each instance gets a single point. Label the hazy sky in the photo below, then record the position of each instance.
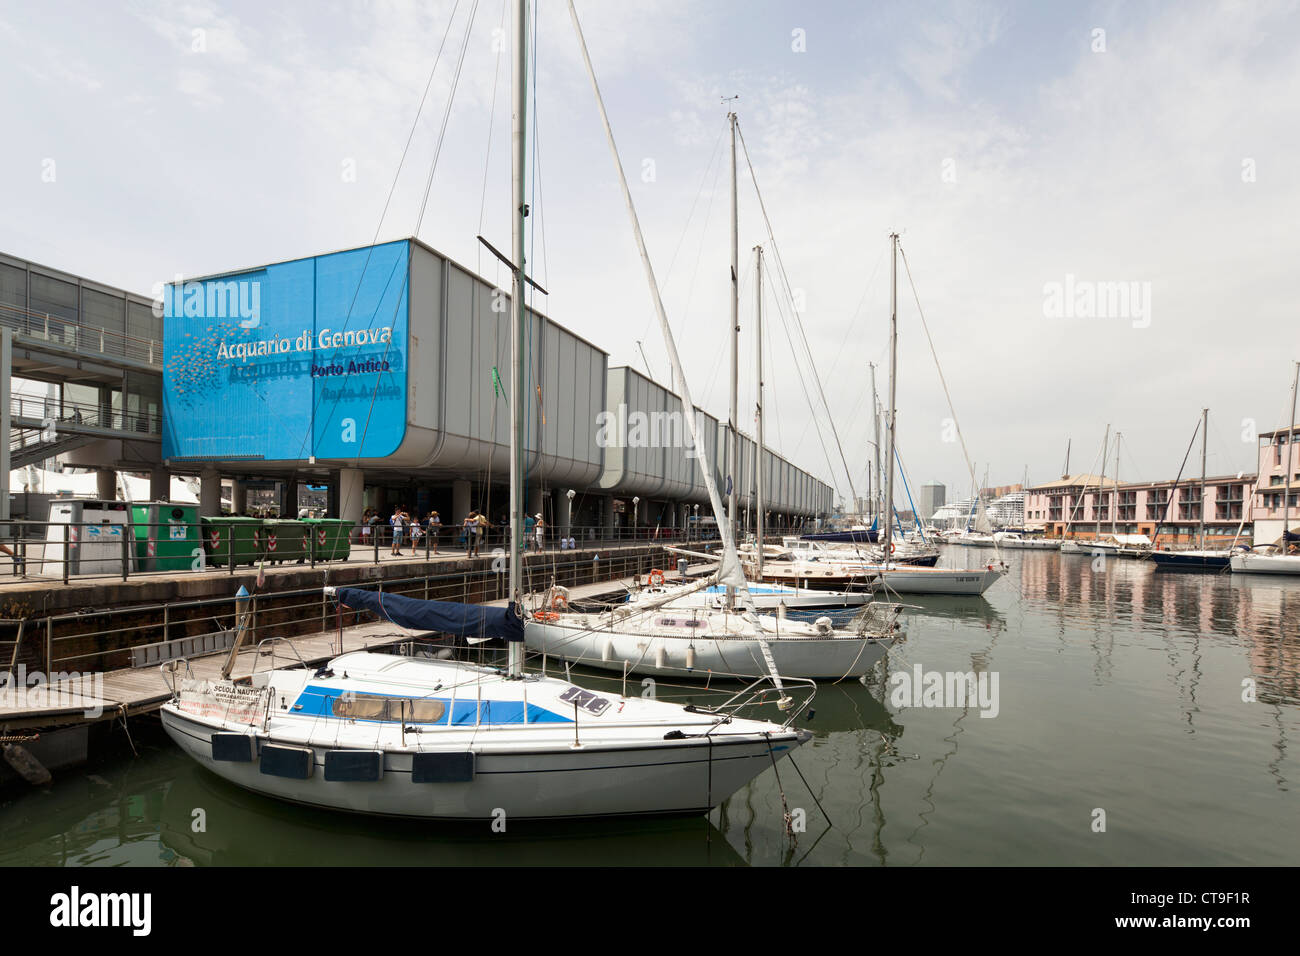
(1026, 152)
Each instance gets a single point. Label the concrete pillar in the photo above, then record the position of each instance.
(210, 492)
(607, 516)
(238, 497)
(106, 484)
(536, 503)
(564, 515)
(289, 497)
(351, 493)
(160, 485)
(459, 502)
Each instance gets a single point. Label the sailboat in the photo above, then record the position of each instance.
(446, 740)
(650, 637)
(1198, 559)
(895, 576)
(1283, 556)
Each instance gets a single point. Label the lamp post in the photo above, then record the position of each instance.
(568, 531)
(636, 508)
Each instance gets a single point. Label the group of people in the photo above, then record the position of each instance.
(474, 530)
(404, 528)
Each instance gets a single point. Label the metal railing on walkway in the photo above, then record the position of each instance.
(72, 334)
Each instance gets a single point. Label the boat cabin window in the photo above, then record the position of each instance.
(373, 707)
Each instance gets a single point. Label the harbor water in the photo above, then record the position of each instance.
(1127, 717)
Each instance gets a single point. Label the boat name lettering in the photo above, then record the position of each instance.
(586, 700)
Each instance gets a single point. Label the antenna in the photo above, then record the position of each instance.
(644, 359)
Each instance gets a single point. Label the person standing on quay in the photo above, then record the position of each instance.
(397, 523)
(435, 525)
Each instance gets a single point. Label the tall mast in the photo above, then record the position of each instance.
(1205, 424)
(1101, 485)
(893, 392)
(1290, 442)
(875, 418)
(518, 128)
(758, 411)
(1114, 507)
(733, 456)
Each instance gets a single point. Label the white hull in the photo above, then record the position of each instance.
(628, 757)
(592, 781)
(1249, 562)
(702, 657)
(1030, 544)
(939, 580)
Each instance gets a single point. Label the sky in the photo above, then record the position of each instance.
(1097, 201)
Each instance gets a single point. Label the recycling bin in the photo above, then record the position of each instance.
(227, 536)
(166, 535)
(331, 537)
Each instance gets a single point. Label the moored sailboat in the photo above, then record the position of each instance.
(446, 740)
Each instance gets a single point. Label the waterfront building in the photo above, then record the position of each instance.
(933, 496)
(1074, 505)
(1278, 455)
(302, 373)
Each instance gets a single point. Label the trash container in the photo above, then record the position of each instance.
(331, 537)
(166, 535)
(95, 534)
(285, 539)
(227, 535)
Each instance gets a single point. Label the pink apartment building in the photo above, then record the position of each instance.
(1278, 455)
(1082, 506)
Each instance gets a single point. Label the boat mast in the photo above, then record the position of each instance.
(1114, 505)
(758, 411)
(875, 418)
(733, 457)
(1101, 485)
(893, 392)
(1290, 442)
(518, 128)
(1205, 424)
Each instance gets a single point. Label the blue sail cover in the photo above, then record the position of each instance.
(447, 617)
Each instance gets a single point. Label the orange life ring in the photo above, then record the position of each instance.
(656, 578)
(892, 546)
(559, 602)
(546, 615)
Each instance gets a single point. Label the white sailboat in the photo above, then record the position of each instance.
(895, 576)
(445, 740)
(1282, 557)
(648, 637)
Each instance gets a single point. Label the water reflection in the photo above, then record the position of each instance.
(1119, 687)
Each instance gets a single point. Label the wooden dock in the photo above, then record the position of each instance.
(137, 690)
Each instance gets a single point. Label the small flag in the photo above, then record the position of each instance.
(261, 573)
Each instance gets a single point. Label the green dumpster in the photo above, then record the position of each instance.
(224, 535)
(285, 539)
(166, 535)
(331, 537)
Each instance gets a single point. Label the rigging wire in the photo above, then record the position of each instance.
(785, 279)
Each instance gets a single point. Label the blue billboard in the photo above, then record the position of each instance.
(297, 360)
